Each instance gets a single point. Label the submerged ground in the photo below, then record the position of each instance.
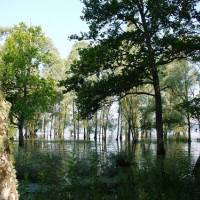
(59, 170)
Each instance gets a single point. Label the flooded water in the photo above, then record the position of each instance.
(70, 169)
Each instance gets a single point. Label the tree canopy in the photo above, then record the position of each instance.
(24, 54)
(130, 42)
(119, 56)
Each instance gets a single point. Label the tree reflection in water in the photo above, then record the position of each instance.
(88, 170)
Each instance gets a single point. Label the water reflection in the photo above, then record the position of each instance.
(139, 150)
(106, 170)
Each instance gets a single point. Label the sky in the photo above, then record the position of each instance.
(58, 18)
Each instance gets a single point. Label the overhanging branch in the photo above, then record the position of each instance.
(136, 93)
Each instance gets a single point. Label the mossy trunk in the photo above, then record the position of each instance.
(8, 182)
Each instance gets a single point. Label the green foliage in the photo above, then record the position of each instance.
(11, 131)
(130, 41)
(147, 108)
(193, 107)
(179, 81)
(172, 118)
(56, 68)
(36, 167)
(24, 54)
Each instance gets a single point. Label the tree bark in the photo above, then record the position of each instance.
(103, 123)
(189, 128)
(158, 101)
(84, 132)
(156, 84)
(59, 122)
(121, 124)
(96, 126)
(44, 126)
(26, 132)
(159, 117)
(159, 123)
(8, 181)
(118, 121)
(74, 120)
(64, 120)
(51, 125)
(100, 125)
(21, 136)
(78, 126)
(106, 123)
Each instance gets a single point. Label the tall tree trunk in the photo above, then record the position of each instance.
(64, 121)
(133, 134)
(87, 130)
(156, 85)
(78, 126)
(84, 131)
(100, 125)
(44, 126)
(121, 124)
(26, 132)
(186, 87)
(51, 125)
(106, 123)
(126, 134)
(146, 133)
(103, 125)
(59, 122)
(159, 117)
(118, 122)
(21, 136)
(74, 120)
(189, 127)
(96, 126)
(129, 134)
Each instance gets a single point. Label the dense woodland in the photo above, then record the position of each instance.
(112, 63)
(135, 75)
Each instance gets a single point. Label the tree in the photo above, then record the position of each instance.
(123, 58)
(192, 107)
(23, 56)
(181, 80)
(147, 120)
(131, 114)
